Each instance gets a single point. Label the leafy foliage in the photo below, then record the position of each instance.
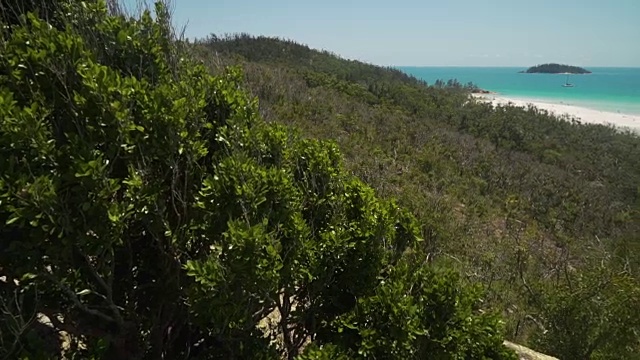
(416, 305)
(148, 212)
(593, 316)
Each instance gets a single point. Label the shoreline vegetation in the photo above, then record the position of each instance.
(621, 121)
(553, 68)
(482, 91)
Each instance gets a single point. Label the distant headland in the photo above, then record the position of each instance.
(555, 69)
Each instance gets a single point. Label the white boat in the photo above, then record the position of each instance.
(566, 83)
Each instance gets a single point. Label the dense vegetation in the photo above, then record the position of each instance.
(542, 213)
(148, 212)
(556, 69)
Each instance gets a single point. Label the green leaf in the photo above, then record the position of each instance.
(28, 276)
(122, 36)
(114, 212)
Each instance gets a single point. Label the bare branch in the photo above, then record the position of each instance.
(18, 324)
(77, 303)
(107, 288)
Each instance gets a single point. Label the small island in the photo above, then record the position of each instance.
(555, 69)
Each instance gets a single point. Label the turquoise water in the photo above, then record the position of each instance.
(608, 89)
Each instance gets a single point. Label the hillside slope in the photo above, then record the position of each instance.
(533, 208)
(147, 211)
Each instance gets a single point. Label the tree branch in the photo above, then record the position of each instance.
(108, 289)
(78, 304)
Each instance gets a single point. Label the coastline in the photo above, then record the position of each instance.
(619, 120)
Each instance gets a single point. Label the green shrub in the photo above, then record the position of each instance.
(592, 316)
(420, 313)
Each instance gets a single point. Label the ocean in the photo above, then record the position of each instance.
(606, 89)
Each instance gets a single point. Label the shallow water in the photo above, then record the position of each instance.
(607, 89)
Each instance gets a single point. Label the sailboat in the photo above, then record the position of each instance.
(566, 83)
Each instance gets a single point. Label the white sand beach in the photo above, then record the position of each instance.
(585, 115)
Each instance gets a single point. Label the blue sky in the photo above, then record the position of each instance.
(435, 33)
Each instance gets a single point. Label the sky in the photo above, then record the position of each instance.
(434, 33)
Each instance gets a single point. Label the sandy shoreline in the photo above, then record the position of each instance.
(585, 115)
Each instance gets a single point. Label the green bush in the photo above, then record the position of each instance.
(592, 316)
(420, 313)
(147, 212)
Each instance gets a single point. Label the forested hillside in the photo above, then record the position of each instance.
(147, 211)
(251, 198)
(542, 212)
(556, 69)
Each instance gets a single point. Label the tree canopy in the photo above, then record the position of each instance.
(556, 69)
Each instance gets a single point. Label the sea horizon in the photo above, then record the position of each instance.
(611, 89)
(523, 67)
